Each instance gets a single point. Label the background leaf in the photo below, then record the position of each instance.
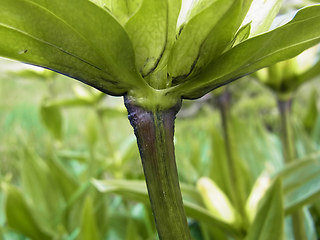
(19, 215)
(269, 221)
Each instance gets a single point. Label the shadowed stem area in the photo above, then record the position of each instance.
(289, 155)
(154, 131)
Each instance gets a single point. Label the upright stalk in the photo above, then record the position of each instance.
(289, 155)
(233, 176)
(288, 148)
(154, 130)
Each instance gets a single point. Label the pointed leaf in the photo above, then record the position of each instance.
(269, 221)
(300, 184)
(216, 201)
(259, 189)
(205, 35)
(89, 229)
(20, 217)
(76, 38)
(280, 44)
(242, 34)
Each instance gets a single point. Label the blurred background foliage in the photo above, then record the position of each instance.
(70, 169)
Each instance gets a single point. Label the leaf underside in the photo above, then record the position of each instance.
(87, 44)
(255, 53)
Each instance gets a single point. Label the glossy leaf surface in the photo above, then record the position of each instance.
(55, 36)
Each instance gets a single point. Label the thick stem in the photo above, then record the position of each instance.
(154, 130)
(289, 155)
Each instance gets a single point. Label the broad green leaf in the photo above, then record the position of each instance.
(152, 31)
(122, 10)
(137, 190)
(204, 36)
(158, 78)
(89, 229)
(220, 36)
(69, 37)
(269, 221)
(261, 15)
(257, 52)
(53, 120)
(300, 183)
(19, 216)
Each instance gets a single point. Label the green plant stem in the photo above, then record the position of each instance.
(288, 148)
(289, 155)
(233, 176)
(154, 130)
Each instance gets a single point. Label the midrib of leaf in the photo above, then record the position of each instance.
(72, 30)
(54, 46)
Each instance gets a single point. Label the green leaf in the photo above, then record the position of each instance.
(122, 10)
(261, 15)
(76, 38)
(269, 221)
(255, 53)
(216, 201)
(300, 183)
(64, 180)
(47, 195)
(204, 36)
(152, 30)
(52, 119)
(20, 217)
(310, 74)
(137, 190)
(242, 34)
(89, 229)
